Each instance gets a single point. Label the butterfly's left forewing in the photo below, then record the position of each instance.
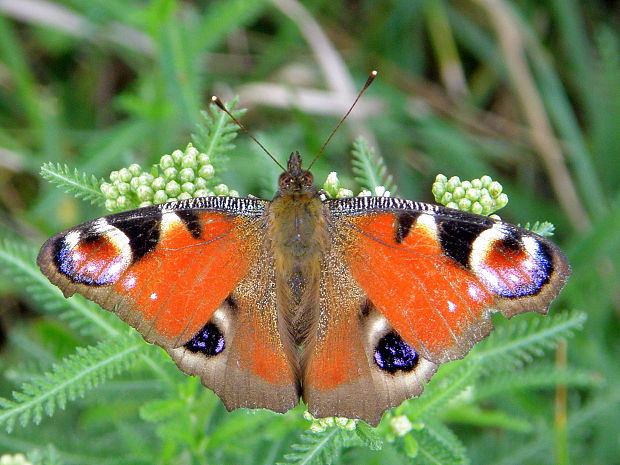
(187, 275)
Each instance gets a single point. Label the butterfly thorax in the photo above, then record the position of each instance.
(296, 215)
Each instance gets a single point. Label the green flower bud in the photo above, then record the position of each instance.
(453, 183)
(472, 194)
(200, 183)
(158, 183)
(234, 193)
(203, 159)
(184, 196)
(501, 201)
(332, 184)
(495, 189)
(486, 180)
(110, 205)
(135, 169)
(187, 174)
(124, 175)
(134, 183)
(146, 179)
(221, 189)
(146, 203)
(486, 201)
(177, 156)
(170, 173)
(476, 183)
(202, 193)
(477, 208)
(173, 189)
(122, 203)
(166, 161)
(160, 197)
(105, 188)
(188, 187)
(123, 188)
(458, 193)
(112, 192)
(464, 205)
(189, 161)
(191, 150)
(439, 189)
(144, 193)
(441, 179)
(114, 176)
(446, 198)
(206, 171)
(452, 205)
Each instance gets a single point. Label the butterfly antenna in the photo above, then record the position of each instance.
(221, 106)
(371, 78)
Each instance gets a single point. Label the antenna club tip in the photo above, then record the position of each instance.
(215, 100)
(374, 73)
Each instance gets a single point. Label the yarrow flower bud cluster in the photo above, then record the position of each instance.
(17, 459)
(178, 176)
(321, 424)
(379, 191)
(482, 196)
(333, 187)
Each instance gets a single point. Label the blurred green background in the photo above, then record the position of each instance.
(525, 91)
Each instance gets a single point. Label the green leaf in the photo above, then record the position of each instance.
(80, 185)
(316, 448)
(68, 380)
(369, 168)
(518, 343)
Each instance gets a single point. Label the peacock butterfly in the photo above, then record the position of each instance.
(350, 304)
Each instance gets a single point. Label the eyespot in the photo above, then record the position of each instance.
(392, 354)
(208, 341)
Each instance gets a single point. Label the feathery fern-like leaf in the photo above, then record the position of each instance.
(518, 343)
(369, 168)
(316, 448)
(446, 386)
(19, 260)
(68, 380)
(217, 131)
(79, 184)
(444, 435)
(437, 446)
(533, 377)
(368, 436)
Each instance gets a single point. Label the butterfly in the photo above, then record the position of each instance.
(350, 304)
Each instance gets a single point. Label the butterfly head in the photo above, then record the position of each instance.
(295, 178)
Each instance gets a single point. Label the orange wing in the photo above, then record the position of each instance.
(180, 274)
(406, 286)
(435, 273)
